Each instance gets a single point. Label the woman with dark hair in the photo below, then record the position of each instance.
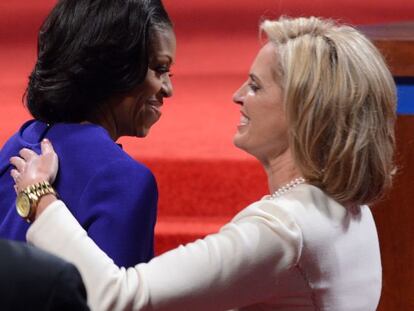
(102, 72)
(318, 112)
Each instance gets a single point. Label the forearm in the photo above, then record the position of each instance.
(109, 288)
(204, 275)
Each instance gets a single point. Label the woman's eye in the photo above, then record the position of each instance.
(253, 87)
(162, 70)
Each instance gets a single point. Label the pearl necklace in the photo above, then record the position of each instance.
(289, 186)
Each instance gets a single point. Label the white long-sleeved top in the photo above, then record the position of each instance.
(301, 251)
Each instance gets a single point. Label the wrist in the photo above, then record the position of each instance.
(29, 199)
(24, 184)
(44, 202)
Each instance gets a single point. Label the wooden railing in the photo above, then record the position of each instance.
(396, 42)
(395, 214)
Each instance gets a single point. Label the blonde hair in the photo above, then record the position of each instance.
(340, 103)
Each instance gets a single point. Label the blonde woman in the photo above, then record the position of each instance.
(318, 111)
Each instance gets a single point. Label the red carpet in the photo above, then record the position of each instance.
(203, 179)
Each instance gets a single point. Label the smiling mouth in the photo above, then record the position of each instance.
(244, 120)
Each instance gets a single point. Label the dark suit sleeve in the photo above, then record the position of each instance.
(69, 293)
(121, 202)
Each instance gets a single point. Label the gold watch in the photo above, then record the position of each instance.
(28, 199)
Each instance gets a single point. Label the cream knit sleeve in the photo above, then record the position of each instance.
(236, 267)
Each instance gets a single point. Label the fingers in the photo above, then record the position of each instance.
(27, 154)
(46, 146)
(18, 163)
(31, 167)
(14, 174)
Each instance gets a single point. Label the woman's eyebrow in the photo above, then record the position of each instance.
(255, 78)
(170, 60)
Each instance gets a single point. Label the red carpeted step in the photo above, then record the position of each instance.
(206, 188)
(198, 196)
(171, 232)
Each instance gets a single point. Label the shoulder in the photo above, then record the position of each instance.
(123, 182)
(89, 149)
(309, 204)
(17, 253)
(322, 219)
(125, 170)
(133, 185)
(296, 202)
(80, 140)
(10, 147)
(30, 261)
(265, 210)
(275, 217)
(39, 275)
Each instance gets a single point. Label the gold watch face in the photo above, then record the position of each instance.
(23, 205)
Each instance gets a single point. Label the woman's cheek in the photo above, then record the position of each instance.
(153, 84)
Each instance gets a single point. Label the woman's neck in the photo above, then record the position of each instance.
(280, 171)
(106, 118)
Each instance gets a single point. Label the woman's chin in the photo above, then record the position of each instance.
(143, 131)
(239, 141)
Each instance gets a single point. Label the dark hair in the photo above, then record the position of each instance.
(89, 51)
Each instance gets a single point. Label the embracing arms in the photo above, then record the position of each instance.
(238, 266)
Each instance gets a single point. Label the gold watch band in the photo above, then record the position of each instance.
(40, 189)
(28, 199)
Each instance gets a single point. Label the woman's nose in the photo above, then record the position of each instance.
(167, 86)
(238, 96)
